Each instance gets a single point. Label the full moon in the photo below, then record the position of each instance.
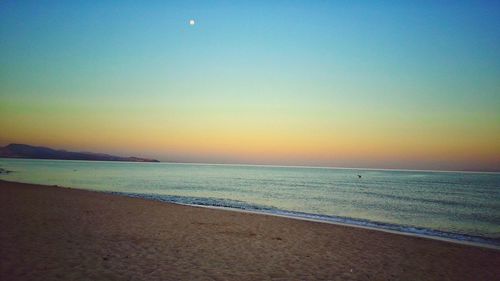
(191, 22)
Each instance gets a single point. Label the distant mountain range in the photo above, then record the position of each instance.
(37, 152)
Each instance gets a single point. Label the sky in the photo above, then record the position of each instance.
(378, 84)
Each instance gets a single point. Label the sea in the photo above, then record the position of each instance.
(458, 206)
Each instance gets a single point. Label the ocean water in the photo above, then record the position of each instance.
(454, 205)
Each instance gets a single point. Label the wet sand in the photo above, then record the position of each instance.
(53, 233)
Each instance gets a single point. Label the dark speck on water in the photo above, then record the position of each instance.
(4, 171)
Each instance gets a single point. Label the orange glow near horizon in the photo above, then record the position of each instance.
(275, 142)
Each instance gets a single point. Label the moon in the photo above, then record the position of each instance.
(192, 22)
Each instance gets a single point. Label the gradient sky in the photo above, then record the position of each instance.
(396, 84)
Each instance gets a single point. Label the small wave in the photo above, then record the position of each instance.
(200, 201)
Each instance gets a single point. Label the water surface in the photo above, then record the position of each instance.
(455, 205)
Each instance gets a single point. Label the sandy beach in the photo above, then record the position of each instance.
(54, 233)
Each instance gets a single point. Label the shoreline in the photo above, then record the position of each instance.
(296, 217)
(417, 235)
(49, 233)
(304, 217)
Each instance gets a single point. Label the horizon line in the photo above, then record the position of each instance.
(272, 165)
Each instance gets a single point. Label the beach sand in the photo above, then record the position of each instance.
(53, 233)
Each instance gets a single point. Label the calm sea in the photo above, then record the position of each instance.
(454, 205)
